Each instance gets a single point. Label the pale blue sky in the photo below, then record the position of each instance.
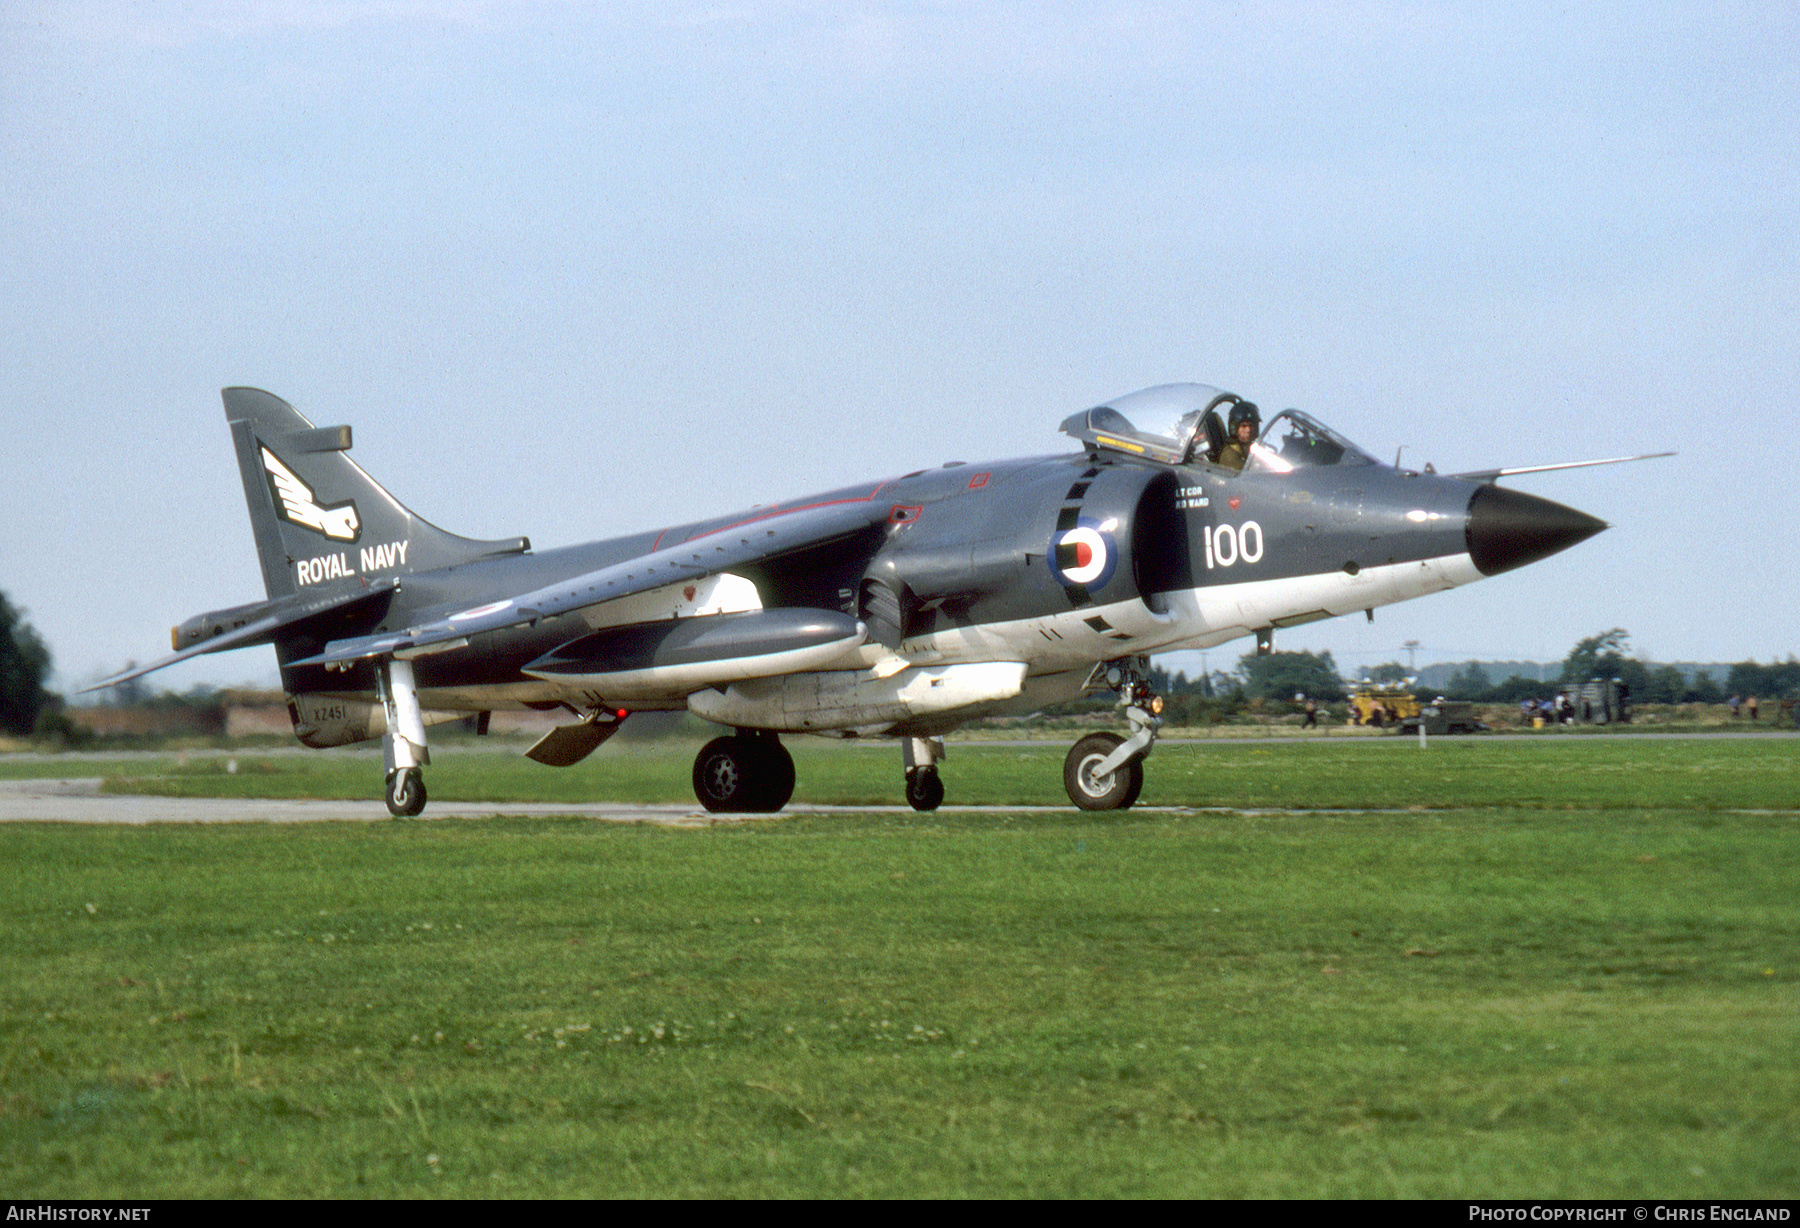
(575, 270)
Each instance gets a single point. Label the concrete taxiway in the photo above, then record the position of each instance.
(81, 801)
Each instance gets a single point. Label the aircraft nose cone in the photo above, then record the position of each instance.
(1509, 528)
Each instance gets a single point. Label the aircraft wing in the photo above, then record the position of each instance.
(261, 628)
(1489, 475)
(758, 538)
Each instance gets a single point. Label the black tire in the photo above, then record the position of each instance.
(1135, 783)
(722, 773)
(744, 774)
(924, 789)
(774, 774)
(406, 793)
(1114, 792)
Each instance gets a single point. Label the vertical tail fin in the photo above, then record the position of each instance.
(318, 518)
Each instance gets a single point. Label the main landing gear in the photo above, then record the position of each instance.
(1104, 771)
(749, 772)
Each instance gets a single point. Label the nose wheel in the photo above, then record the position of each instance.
(1105, 771)
(1092, 788)
(747, 773)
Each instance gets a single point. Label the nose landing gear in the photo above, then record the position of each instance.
(1104, 771)
(1092, 786)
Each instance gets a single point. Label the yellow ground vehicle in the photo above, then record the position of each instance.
(1399, 710)
(1382, 706)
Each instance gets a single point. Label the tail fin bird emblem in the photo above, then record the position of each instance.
(339, 523)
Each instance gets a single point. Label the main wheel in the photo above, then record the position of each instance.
(774, 774)
(722, 772)
(1117, 790)
(406, 793)
(924, 789)
(748, 775)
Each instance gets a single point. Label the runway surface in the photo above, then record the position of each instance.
(80, 801)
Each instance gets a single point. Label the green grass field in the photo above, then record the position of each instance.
(1520, 967)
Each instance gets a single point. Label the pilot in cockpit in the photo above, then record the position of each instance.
(1244, 424)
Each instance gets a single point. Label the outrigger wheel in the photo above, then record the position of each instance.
(406, 793)
(1116, 790)
(746, 773)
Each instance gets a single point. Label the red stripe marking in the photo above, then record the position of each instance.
(783, 511)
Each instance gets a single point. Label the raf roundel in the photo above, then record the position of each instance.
(1085, 554)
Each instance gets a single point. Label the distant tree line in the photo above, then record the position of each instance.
(25, 706)
(1281, 676)
(1606, 656)
(1261, 678)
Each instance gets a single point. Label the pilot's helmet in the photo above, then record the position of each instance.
(1245, 411)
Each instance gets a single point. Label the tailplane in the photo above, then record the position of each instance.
(318, 518)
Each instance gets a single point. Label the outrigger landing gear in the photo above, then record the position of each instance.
(750, 772)
(403, 746)
(924, 789)
(1104, 771)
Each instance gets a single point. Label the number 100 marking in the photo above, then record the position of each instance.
(1227, 544)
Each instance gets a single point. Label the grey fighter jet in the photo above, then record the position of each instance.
(903, 607)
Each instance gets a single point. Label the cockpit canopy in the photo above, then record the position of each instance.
(1184, 424)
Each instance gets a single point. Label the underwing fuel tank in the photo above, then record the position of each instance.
(858, 699)
(675, 655)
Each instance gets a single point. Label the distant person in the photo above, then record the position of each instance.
(1732, 703)
(1750, 706)
(1312, 714)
